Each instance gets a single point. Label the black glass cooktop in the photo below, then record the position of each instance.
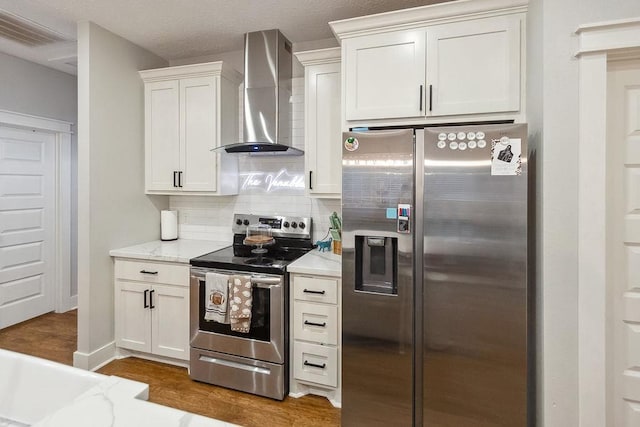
(239, 257)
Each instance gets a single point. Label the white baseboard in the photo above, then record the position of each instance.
(122, 353)
(96, 359)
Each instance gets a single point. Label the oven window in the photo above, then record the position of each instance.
(260, 317)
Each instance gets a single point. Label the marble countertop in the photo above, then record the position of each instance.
(316, 262)
(108, 405)
(181, 250)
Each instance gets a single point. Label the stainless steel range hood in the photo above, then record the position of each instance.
(267, 92)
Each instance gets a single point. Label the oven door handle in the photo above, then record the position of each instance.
(266, 282)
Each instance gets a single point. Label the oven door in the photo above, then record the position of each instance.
(266, 338)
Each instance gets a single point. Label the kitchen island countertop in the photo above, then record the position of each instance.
(181, 250)
(316, 262)
(108, 405)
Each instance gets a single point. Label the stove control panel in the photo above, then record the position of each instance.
(281, 226)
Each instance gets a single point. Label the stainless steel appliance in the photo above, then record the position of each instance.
(268, 63)
(434, 277)
(257, 361)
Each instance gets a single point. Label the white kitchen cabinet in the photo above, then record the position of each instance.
(323, 132)
(316, 336)
(188, 111)
(474, 67)
(152, 308)
(384, 75)
(450, 61)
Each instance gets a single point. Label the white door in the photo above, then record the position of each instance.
(198, 133)
(323, 127)
(27, 224)
(474, 67)
(384, 75)
(623, 244)
(170, 321)
(133, 315)
(162, 138)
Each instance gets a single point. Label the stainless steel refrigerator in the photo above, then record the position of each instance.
(434, 277)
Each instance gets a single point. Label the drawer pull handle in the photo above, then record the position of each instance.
(148, 272)
(309, 291)
(322, 325)
(315, 365)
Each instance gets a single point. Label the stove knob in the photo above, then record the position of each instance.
(294, 225)
(245, 222)
(301, 225)
(239, 221)
(285, 224)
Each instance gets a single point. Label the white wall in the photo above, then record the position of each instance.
(113, 210)
(553, 115)
(34, 89)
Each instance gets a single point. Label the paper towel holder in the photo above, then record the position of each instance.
(168, 225)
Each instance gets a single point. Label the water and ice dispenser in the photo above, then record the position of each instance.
(377, 264)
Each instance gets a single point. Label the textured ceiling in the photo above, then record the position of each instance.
(176, 29)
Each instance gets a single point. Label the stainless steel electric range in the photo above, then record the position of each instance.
(257, 361)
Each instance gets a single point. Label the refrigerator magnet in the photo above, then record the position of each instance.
(404, 218)
(506, 156)
(351, 143)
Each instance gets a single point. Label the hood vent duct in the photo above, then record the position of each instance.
(267, 92)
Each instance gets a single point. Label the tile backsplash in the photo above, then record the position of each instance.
(272, 185)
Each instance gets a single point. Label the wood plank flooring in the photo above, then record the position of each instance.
(53, 337)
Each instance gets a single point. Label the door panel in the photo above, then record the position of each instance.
(623, 243)
(170, 321)
(161, 135)
(475, 68)
(475, 285)
(377, 328)
(198, 128)
(323, 126)
(132, 319)
(27, 191)
(384, 74)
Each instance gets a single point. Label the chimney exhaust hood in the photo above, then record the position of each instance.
(267, 92)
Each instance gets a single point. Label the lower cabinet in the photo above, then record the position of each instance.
(151, 316)
(315, 336)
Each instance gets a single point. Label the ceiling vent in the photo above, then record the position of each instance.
(26, 32)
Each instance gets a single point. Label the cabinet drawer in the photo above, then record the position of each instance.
(153, 272)
(315, 289)
(315, 363)
(315, 322)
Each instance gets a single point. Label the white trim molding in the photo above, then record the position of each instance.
(417, 17)
(599, 44)
(64, 301)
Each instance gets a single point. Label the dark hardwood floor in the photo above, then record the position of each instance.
(53, 336)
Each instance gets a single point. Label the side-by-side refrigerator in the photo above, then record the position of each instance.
(434, 276)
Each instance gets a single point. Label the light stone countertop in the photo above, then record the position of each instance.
(181, 250)
(316, 262)
(105, 405)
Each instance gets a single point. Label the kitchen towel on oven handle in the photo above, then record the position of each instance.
(217, 294)
(240, 302)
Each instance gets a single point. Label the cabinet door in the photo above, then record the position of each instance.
(162, 139)
(474, 67)
(132, 319)
(170, 321)
(323, 130)
(198, 132)
(385, 75)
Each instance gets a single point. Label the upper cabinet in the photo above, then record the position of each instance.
(384, 75)
(459, 61)
(323, 134)
(188, 111)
